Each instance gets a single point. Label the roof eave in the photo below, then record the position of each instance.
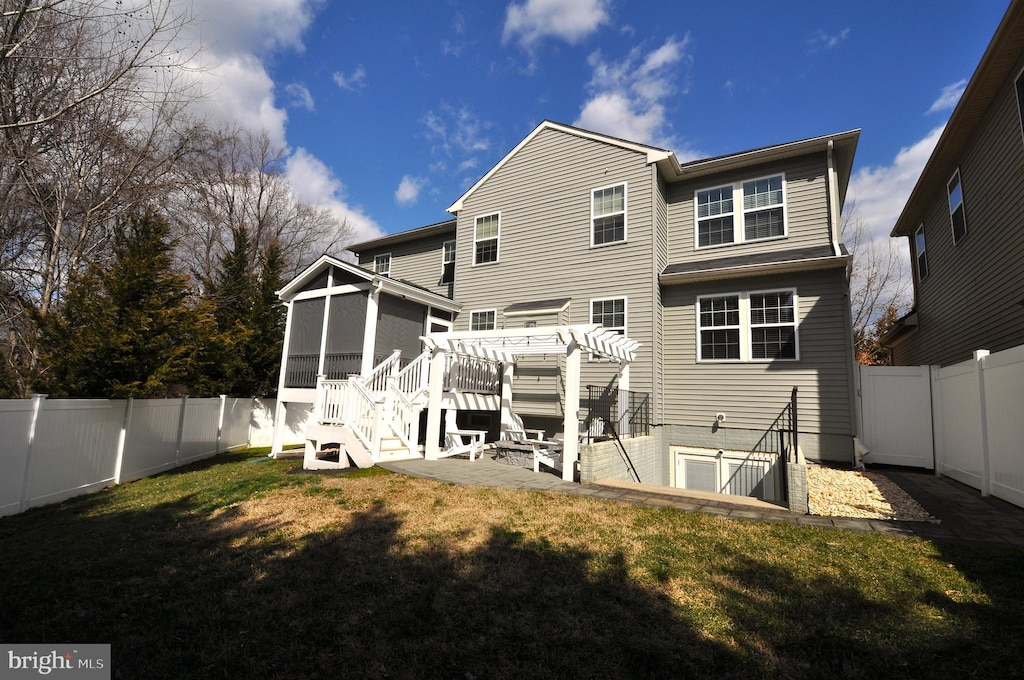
(995, 66)
(744, 271)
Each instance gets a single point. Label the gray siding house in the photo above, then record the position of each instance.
(965, 218)
(727, 271)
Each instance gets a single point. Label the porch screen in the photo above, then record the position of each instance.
(307, 326)
(400, 324)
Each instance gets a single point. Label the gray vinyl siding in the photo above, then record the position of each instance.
(417, 262)
(806, 210)
(972, 296)
(543, 194)
(660, 255)
(752, 394)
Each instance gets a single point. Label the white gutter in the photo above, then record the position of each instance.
(833, 195)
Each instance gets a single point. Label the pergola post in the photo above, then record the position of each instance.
(507, 374)
(435, 393)
(571, 426)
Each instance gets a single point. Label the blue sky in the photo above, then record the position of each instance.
(390, 110)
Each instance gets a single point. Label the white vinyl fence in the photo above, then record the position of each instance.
(975, 420)
(53, 449)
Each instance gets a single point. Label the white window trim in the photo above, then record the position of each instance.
(380, 257)
(739, 232)
(745, 326)
(918, 254)
(963, 205)
(625, 318)
(625, 214)
(474, 312)
(445, 262)
(497, 238)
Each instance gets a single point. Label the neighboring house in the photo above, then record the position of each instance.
(965, 218)
(727, 271)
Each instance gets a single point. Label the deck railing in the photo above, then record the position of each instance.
(470, 374)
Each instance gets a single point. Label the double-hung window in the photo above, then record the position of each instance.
(382, 264)
(956, 207)
(714, 217)
(919, 254)
(610, 313)
(447, 262)
(752, 210)
(608, 215)
(759, 326)
(486, 233)
(483, 320)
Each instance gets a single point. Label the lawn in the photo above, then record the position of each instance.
(242, 567)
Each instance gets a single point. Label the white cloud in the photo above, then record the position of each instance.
(408, 191)
(949, 97)
(880, 192)
(628, 96)
(299, 96)
(568, 20)
(456, 131)
(313, 182)
(241, 93)
(824, 41)
(352, 82)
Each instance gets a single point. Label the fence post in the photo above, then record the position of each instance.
(181, 431)
(122, 438)
(220, 422)
(37, 407)
(986, 471)
(938, 442)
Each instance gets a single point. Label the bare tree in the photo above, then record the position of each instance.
(880, 285)
(238, 183)
(91, 122)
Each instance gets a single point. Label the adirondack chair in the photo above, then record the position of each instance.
(458, 442)
(516, 432)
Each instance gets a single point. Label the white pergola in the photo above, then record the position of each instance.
(506, 345)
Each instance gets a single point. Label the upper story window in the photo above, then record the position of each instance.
(448, 262)
(486, 233)
(919, 254)
(758, 326)
(608, 215)
(957, 216)
(483, 320)
(382, 264)
(762, 212)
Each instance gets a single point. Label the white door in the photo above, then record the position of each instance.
(896, 408)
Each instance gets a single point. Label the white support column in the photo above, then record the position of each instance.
(435, 394)
(571, 427)
(370, 331)
(622, 400)
(507, 375)
(280, 420)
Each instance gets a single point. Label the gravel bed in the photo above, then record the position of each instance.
(860, 493)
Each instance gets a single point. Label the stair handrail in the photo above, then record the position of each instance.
(360, 412)
(413, 378)
(402, 414)
(376, 381)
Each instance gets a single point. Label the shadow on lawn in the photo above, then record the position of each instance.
(185, 594)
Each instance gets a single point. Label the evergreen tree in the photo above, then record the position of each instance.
(132, 330)
(248, 312)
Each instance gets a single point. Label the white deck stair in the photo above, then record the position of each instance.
(368, 419)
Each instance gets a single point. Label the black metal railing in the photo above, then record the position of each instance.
(628, 412)
(301, 370)
(782, 436)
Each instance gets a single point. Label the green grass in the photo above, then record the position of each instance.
(248, 568)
